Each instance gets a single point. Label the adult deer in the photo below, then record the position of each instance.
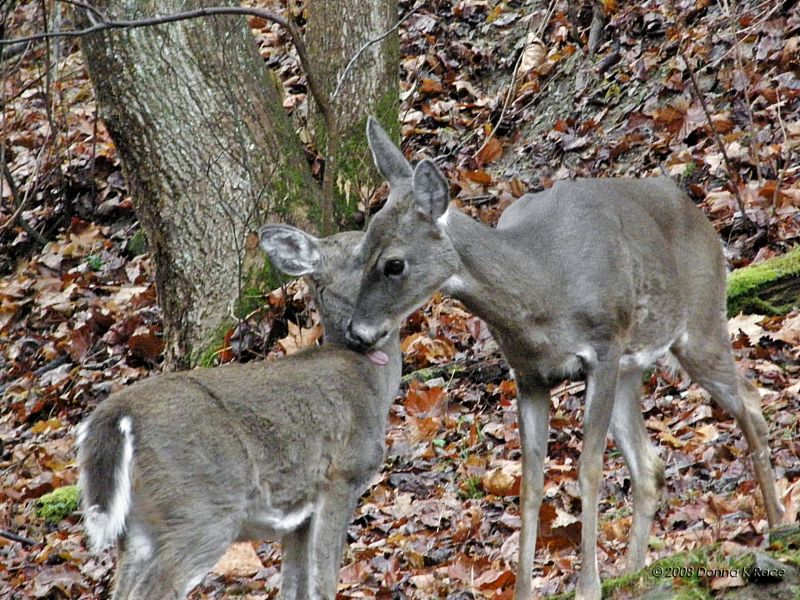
(176, 467)
(597, 276)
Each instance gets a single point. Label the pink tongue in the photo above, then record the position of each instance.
(378, 357)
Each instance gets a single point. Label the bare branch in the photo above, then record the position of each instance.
(102, 23)
(20, 203)
(364, 48)
(732, 173)
(17, 538)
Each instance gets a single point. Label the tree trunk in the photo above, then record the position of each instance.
(209, 155)
(335, 32)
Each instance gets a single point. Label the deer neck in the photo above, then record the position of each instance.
(492, 273)
(388, 375)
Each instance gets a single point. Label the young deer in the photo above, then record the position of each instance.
(178, 466)
(598, 277)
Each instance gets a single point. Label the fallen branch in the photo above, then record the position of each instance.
(20, 204)
(771, 287)
(17, 538)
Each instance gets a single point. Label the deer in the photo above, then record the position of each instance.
(174, 468)
(593, 278)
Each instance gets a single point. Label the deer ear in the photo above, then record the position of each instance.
(291, 250)
(388, 159)
(431, 190)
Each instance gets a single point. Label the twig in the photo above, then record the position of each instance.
(732, 173)
(101, 23)
(340, 80)
(782, 171)
(513, 85)
(17, 538)
(20, 204)
(755, 147)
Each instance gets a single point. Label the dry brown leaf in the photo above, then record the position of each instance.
(239, 560)
(423, 401)
(532, 56)
(491, 150)
(503, 480)
(430, 86)
(749, 325)
(789, 331)
(299, 338)
(481, 177)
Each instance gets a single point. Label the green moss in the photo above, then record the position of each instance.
(784, 543)
(354, 167)
(472, 488)
(744, 283)
(654, 577)
(58, 504)
(206, 356)
(447, 371)
(258, 282)
(289, 185)
(137, 244)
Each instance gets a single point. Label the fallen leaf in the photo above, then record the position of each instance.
(239, 560)
(749, 325)
(299, 338)
(490, 151)
(503, 480)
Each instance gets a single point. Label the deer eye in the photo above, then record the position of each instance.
(394, 267)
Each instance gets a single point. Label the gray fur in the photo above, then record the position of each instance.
(247, 451)
(598, 277)
(388, 158)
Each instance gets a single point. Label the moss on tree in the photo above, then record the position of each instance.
(771, 287)
(259, 281)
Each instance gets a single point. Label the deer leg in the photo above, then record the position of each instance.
(151, 579)
(134, 559)
(170, 569)
(709, 362)
(167, 578)
(601, 388)
(533, 409)
(128, 573)
(294, 564)
(646, 468)
(328, 534)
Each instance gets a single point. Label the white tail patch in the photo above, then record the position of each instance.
(104, 528)
(80, 432)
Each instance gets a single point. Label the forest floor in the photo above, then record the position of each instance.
(78, 318)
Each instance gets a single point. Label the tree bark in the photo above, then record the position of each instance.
(335, 32)
(208, 152)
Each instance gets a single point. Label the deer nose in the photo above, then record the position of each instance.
(358, 338)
